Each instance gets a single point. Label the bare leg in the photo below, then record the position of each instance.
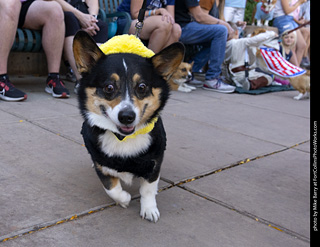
(300, 46)
(156, 31)
(9, 12)
(68, 52)
(48, 16)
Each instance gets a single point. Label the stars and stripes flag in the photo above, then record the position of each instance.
(278, 65)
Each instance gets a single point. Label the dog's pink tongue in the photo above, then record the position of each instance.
(127, 129)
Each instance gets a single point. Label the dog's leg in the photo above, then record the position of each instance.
(113, 188)
(184, 89)
(188, 86)
(298, 97)
(259, 24)
(302, 96)
(148, 192)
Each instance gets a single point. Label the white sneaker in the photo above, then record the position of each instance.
(218, 85)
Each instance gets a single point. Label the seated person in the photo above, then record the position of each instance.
(47, 16)
(159, 23)
(235, 56)
(81, 15)
(200, 28)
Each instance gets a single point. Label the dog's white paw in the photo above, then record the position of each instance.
(120, 196)
(150, 213)
(148, 191)
(184, 89)
(124, 199)
(299, 96)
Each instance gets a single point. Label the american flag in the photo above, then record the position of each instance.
(278, 65)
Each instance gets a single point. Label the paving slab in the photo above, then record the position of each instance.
(273, 125)
(47, 177)
(186, 221)
(197, 147)
(274, 188)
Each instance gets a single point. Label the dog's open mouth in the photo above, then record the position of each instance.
(123, 129)
(126, 130)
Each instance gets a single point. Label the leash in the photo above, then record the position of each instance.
(139, 24)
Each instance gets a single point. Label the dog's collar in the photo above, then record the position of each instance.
(145, 130)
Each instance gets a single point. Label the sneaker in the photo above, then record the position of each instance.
(76, 87)
(56, 87)
(194, 82)
(218, 85)
(70, 75)
(8, 92)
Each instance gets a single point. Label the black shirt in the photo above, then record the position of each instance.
(182, 15)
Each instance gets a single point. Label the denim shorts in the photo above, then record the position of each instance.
(284, 22)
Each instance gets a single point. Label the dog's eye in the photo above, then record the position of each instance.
(184, 70)
(109, 89)
(142, 88)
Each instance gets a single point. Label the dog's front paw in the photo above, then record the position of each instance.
(120, 196)
(150, 213)
(124, 199)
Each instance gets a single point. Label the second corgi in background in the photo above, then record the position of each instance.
(180, 77)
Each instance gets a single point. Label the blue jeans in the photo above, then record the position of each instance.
(213, 38)
(284, 23)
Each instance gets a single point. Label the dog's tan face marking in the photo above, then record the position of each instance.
(183, 71)
(136, 79)
(115, 77)
(148, 105)
(94, 102)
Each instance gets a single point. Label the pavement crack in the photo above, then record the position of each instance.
(247, 214)
(182, 185)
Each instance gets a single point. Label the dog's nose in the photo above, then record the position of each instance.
(126, 116)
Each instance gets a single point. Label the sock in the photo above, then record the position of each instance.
(53, 75)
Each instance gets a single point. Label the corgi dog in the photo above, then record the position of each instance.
(302, 84)
(264, 11)
(179, 78)
(121, 96)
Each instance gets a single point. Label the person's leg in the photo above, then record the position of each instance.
(301, 46)
(229, 13)
(155, 30)
(48, 17)
(238, 15)
(72, 25)
(175, 34)
(216, 36)
(9, 12)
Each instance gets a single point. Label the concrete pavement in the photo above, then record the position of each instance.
(236, 173)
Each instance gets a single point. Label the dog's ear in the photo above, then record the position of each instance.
(86, 52)
(168, 60)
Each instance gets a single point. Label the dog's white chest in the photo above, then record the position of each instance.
(111, 146)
